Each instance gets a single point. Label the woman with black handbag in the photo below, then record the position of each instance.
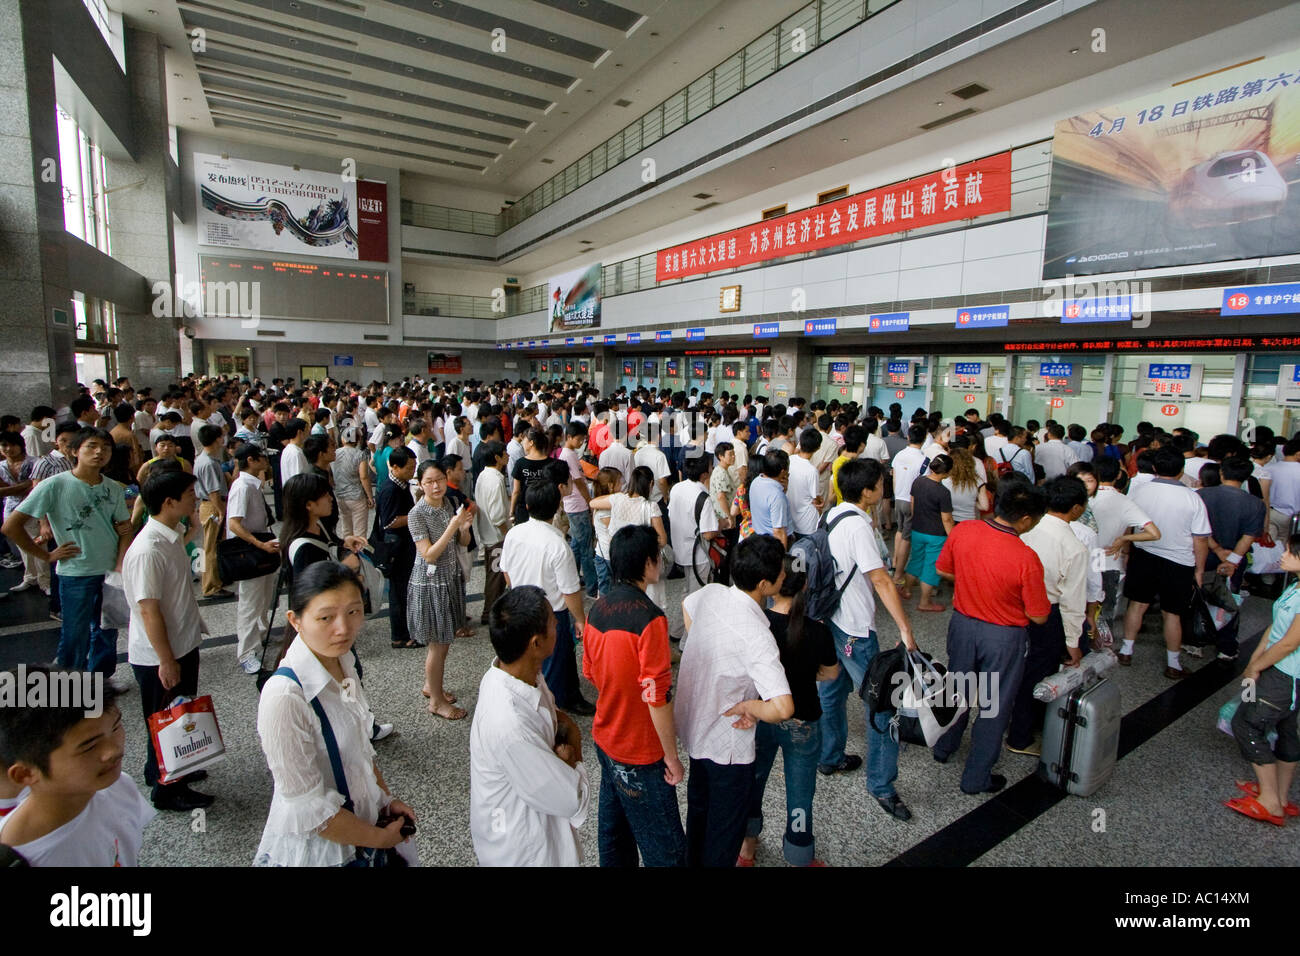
(331, 805)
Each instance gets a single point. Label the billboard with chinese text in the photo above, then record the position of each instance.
(575, 299)
(1204, 171)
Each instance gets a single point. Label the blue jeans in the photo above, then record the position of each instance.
(638, 810)
(800, 741)
(582, 544)
(882, 751)
(561, 668)
(604, 577)
(83, 644)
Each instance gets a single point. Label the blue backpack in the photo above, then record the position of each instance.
(813, 554)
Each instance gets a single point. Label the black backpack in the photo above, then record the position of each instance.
(814, 551)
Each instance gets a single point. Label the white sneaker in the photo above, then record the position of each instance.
(251, 662)
(1193, 650)
(380, 731)
(22, 586)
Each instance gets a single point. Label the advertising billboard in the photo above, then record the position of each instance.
(575, 299)
(1201, 172)
(248, 205)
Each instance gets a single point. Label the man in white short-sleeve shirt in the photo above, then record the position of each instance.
(856, 547)
(803, 488)
(536, 553)
(165, 629)
(651, 457)
(682, 529)
(247, 514)
(730, 678)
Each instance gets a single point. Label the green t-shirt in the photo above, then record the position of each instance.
(82, 514)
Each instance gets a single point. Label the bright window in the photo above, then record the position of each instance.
(84, 176)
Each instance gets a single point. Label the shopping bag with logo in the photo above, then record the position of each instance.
(186, 737)
(931, 703)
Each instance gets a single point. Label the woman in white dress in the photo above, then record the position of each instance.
(635, 507)
(316, 819)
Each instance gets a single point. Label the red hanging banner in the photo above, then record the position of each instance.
(972, 189)
(372, 221)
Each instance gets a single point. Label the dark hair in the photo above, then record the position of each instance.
(810, 439)
(248, 452)
(400, 457)
(1065, 493)
(721, 448)
(855, 436)
(447, 462)
(1168, 462)
(161, 485)
(857, 476)
(72, 428)
(1210, 475)
(80, 405)
(1018, 498)
(1292, 545)
(694, 468)
(85, 435)
(12, 438)
(517, 617)
(299, 491)
(123, 413)
(31, 733)
(916, 434)
(315, 446)
(318, 578)
(1234, 469)
(756, 559)
(643, 480)
(490, 451)
(575, 430)
(295, 425)
(794, 587)
(41, 412)
(775, 462)
(1106, 469)
(940, 464)
(629, 550)
(542, 499)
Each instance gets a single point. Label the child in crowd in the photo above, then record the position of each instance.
(81, 810)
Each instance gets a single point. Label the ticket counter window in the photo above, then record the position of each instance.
(1268, 400)
(1064, 388)
(650, 369)
(674, 375)
(628, 373)
(733, 377)
(971, 381)
(1187, 391)
(700, 375)
(762, 384)
(899, 381)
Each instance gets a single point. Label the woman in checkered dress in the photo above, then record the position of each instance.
(436, 595)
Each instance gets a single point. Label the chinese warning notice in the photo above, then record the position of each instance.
(962, 192)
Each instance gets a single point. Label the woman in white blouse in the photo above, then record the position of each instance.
(635, 507)
(312, 822)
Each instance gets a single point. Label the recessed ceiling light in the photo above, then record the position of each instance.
(295, 4)
(437, 4)
(564, 112)
(508, 93)
(528, 69)
(591, 91)
(193, 117)
(1074, 49)
(176, 75)
(843, 140)
(772, 168)
(293, 42)
(938, 102)
(152, 13)
(410, 69)
(618, 66)
(552, 40)
(653, 34)
(722, 28)
(421, 39)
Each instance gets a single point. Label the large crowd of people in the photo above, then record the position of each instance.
(1040, 542)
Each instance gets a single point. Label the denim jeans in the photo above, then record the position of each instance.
(638, 810)
(882, 751)
(800, 741)
(604, 577)
(83, 644)
(717, 804)
(582, 544)
(561, 668)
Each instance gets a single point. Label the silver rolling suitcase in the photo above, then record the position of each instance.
(1081, 738)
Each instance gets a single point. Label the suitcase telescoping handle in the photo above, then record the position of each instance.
(1073, 719)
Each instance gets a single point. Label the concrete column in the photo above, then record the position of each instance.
(38, 364)
(140, 217)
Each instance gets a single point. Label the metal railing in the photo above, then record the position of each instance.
(473, 306)
(820, 22)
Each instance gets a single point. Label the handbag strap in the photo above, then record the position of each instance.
(331, 745)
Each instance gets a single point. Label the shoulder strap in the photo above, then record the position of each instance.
(331, 745)
(298, 542)
(699, 508)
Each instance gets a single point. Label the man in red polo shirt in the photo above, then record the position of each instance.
(598, 435)
(626, 656)
(998, 591)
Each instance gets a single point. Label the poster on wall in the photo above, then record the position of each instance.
(444, 363)
(248, 205)
(575, 299)
(1201, 172)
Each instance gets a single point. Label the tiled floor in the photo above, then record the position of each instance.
(1161, 808)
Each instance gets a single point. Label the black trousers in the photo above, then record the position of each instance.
(154, 697)
(399, 577)
(1046, 649)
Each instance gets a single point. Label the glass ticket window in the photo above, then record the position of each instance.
(629, 374)
(1188, 391)
(733, 376)
(899, 381)
(971, 381)
(1265, 394)
(650, 369)
(762, 384)
(699, 374)
(673, 374)
(1064, 388)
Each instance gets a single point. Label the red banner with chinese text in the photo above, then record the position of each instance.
(972, 189)
(372, 221)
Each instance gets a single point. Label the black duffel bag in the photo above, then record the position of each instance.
(237, 560)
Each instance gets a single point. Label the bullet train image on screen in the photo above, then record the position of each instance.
(1229, 187)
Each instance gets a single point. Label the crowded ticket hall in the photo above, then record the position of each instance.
(845, 433)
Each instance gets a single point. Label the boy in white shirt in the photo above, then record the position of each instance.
(82, 810)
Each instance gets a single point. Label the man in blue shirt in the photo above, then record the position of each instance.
(769, 508)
